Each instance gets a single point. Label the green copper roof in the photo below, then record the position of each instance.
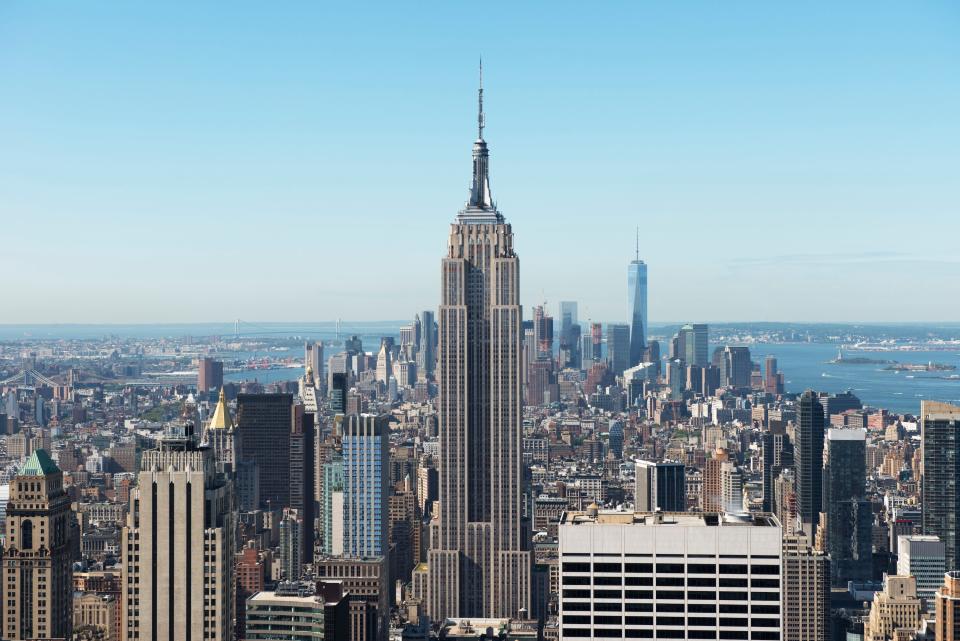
(39, 464)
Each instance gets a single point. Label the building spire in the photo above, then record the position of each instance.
(638, 243)
(480, 121)
(481, 200)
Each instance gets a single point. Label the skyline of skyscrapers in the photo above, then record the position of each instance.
(467, 477)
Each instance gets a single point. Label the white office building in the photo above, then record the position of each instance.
(923, 557)
(669, 576)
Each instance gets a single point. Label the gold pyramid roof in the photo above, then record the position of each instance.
(221, 415)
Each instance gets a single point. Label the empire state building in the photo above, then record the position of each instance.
(479, 564)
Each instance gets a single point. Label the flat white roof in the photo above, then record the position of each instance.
(667, 519)
(836, 434)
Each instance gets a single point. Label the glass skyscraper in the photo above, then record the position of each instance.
(637, 303)
(940, 429)
(366, 453)
(808, 461)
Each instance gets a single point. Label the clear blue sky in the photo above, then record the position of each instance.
(183, 161)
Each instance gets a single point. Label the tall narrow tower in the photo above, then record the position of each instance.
(36, 569)
(479, 564)
(637, 302)
(178, 546)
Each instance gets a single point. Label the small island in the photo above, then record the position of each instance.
(892, 366)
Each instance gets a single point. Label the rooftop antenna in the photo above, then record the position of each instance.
(638, 243)
(480, 120)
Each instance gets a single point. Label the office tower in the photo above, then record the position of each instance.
(221, 436)
(806, 591)
(569, 336)
(773, 379)
(366, 457)
(596, 336)
(333, 507)
(586, 351)
(36, 573)
(543, 328)
(384, 362)
(339, 382)
(568, 315)
(365, 580)
(616, 438)
(266, 421)
(541, 383)
(618, 348)
(298, 611)
(769, 469)
(427, 359)
(291, 552)
(408, 339)
(250, 580)
(694, 379)
(529, 347)
(922, 557)
(313, 359)
(839, 403)
(337, 364)
(940, 437)
(178, 546)
(637, 307)
(209, 375)
(479, 564)
(405, 539)
(785, 501)
(307, 390)
(808, 462)
(947, 598)
(737, 367)
(676, 378)
(224, 439)
(731, 487)
(712, 495)
(896, 608)
(693, 343)
(570, 353)
(849, 515)
(669, 576)
(302, 470)
(660, 486)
